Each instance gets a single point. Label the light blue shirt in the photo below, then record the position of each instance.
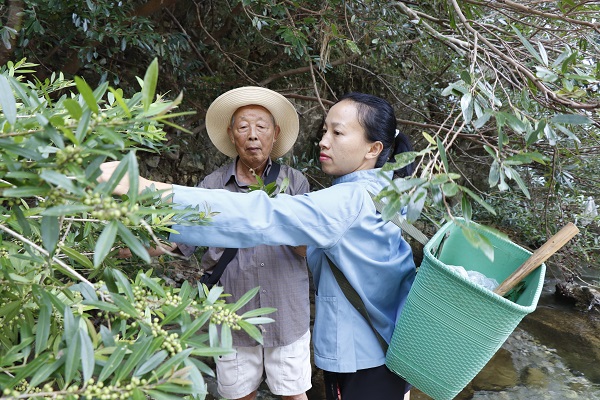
(340, 221)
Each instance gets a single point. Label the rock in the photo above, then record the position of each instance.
(575, 336)
(498, 374)
(584, 297)
(152, 162)
(534, 377)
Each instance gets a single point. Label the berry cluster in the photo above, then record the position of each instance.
(70, 154)
(171, 341)
(107, 208)
(223, 315)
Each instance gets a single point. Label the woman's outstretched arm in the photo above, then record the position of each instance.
(108, 168)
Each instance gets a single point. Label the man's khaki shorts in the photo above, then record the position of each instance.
(287, 369)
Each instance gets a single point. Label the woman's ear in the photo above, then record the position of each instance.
(375, 149)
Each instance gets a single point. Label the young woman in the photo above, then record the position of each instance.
(339, 223)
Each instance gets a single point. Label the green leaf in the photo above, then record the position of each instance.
(124, 305)
(82, 126)
(517, 178)
(543, 53)
(133, 171)
(214, 293)
(149, 87)
(105, 242)
(151, 363)
(465, 76)
(392, 208)
(30, 99)
(138, 352)
(66, 209)
(480, 122)
(258, 312)
(479, 241)
(50, 231)
(245, 299)
(251, 330)
(47, 368)
(466, 104)
(137, 394)
(226, 338)
(7, 101)
(573, 119)
(213, 335)
(401, 185)
(118, 93)
(23, 222)
(450, 189)
(60, 180)
(110, 281)
(494, 175)
(173, 362)
(117, 176)
(478, 200)
(155, 394)
(528, 46)
(442, 151)
(175, 312)
(43, 323)
(465, 206)
(416, 204)
(87, 355)
(25, 191)
(259, 320)
(568, 133)
(113, 362)
(25, 371)
(87, 94)
(77, 256)
(73, 357)
(189, 330)
(73, 108)
(133, 243)
(153, 285)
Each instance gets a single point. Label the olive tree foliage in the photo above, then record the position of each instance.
(75, 321)
(500, 98)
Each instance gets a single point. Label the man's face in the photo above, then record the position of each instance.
(253, 133)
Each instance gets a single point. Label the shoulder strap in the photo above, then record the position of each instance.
(211, 279)
(350, 292)
(355, 300)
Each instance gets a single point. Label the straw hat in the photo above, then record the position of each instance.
(218, 117)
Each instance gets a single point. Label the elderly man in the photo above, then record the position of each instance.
(256, 125)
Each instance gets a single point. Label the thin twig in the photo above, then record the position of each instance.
(63, 266)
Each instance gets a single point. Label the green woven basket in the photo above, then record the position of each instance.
(450, 328)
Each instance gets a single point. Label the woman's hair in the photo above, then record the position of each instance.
(377, 117)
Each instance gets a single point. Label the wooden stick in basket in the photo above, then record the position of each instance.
(538, 257)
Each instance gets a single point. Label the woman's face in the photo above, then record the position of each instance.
(344, 146)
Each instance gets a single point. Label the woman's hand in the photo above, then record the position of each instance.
(108, 169)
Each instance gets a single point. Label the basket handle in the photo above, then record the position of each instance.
(536, 259)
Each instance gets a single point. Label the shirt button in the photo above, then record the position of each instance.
(264, 291)
(262, 264)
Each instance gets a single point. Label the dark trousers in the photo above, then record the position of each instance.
(377, 383)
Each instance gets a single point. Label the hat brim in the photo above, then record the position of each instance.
(218, 117)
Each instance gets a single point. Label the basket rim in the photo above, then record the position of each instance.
(444, 268)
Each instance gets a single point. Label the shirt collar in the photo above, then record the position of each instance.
(232, 172)
(372, 175)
